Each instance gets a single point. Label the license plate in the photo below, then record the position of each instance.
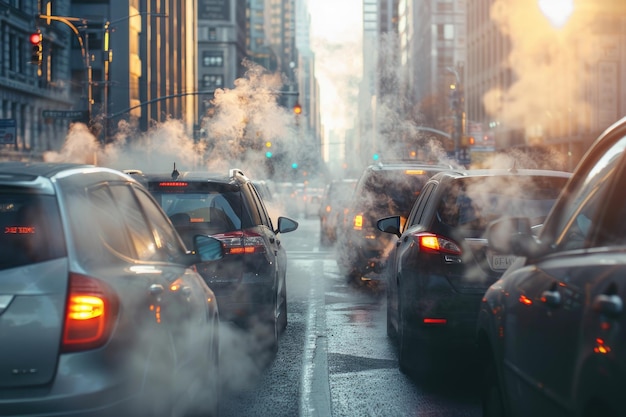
(502, 262)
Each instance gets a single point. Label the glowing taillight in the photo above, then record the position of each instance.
(91, 311)
(429, 242)
(429, 320)
(239, 243)
(358, 222)
(173, 184)
(328, 209)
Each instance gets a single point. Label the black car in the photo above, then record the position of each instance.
(440, 266)
(333, 207)
(101, 312)
(552, 331)
(383, 189)
(249, 281)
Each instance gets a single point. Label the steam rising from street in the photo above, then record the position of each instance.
(240, 121)
(551, 66)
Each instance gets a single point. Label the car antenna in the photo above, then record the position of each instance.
(175, 173)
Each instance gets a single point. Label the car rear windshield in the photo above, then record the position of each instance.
(474, 202)
(393, 191)
(217, 212)
(31, 229)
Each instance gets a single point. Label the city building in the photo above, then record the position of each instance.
(34, 83)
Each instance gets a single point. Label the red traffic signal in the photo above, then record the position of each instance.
(35, 38)
(37, 53)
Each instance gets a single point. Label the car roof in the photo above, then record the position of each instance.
(490, 172)
(230, 177)
(40, 169)
(411, 164)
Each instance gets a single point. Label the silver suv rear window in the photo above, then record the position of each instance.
(31, 229)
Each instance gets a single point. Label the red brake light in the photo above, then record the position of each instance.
(429, 242)
(242, 243)
(173, 184)
(91, 311)
(429, 320)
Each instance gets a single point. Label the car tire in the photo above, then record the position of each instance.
(406, 360)
(391, 331)
(282, 318)
(491, 393)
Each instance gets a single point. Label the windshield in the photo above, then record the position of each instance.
(222, 212)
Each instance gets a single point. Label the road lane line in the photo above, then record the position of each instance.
(315, 397)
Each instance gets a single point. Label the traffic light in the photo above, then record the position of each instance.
(37, 52)
(268, 153)
(294, 165)
(375, 157)
(297, 108)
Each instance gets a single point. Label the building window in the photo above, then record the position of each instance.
(213, 58)
(445, 32)
(212, 81)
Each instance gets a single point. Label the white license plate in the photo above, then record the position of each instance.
(502, 262)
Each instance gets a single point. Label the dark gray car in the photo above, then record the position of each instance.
(99, 313)
(551, 331)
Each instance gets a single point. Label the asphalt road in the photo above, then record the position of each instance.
(335, 358)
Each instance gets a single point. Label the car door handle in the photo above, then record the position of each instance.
(156, 289)
(610, 305)
(551, 297)
(186, 290)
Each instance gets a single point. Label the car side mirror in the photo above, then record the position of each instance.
(512, 235)
(389, 225)
(208, 248)
(285, 224)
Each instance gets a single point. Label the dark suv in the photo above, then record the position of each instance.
(385, 189)
(249, 281)
(97, 297)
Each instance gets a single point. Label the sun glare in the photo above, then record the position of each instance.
(557, 11)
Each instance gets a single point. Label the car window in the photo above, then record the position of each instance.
(586, 211)
(258, 202)
(205, 208)
(420, 203)
(165, 236)
(472, 203)
(140, 232)
(95, 210)
(392, 191)
(31, 229)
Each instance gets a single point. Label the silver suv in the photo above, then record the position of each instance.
(99, 312)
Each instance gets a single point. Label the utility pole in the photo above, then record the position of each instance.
(69, 22)
(457, 105)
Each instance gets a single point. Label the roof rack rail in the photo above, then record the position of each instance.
(235, 171)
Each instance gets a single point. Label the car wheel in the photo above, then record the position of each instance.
(282, 318)
(391, 331)
(491, 393)
(405, 342)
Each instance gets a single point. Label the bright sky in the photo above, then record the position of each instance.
(336, 32)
